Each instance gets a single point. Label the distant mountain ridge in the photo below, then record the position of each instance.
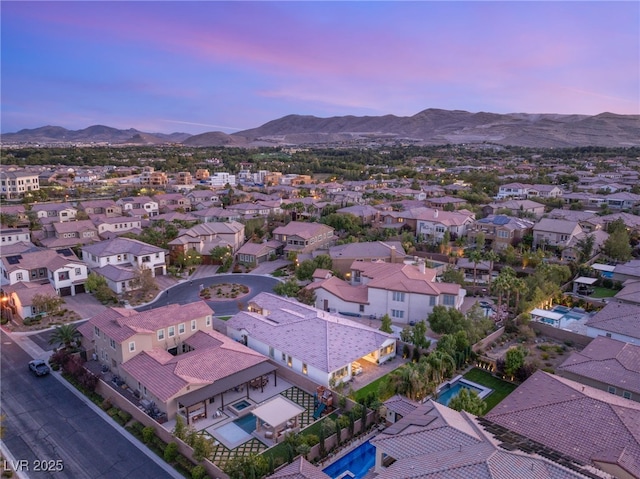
(428, 127)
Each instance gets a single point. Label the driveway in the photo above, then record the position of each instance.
(85, 304)
(188, 292)
(270, 266)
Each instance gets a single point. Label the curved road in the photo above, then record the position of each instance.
(188, 292)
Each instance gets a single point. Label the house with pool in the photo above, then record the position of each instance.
(172, 359)
(320, 346)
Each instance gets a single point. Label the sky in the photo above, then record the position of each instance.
(195, 67)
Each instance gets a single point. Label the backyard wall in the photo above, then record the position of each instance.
(484, 342)
(123, 403)
(560, 334)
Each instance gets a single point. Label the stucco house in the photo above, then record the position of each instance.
(432, 224)
(500, 231)
(406, 292)
(9, 236)
(66, 273)
(21, 297)
(555, 233)
(257, 253)
(171, 356)
(606, 364)
(303, 237)
(310, 342)
(343, 256)
(616, 320)
(140, 206)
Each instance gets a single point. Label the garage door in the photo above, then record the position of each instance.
(80, 288)
(158, 271)
(65, 291)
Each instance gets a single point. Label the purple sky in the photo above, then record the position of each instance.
(205, 66)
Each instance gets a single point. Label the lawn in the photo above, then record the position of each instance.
(600, 292)
(373, 387)
(501, 389)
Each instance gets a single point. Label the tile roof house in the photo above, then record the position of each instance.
(172, 201)
(300, 468)
(607, 364)
(108, 227)
(573, 251)
(206, 236)
(500, 231)
(433, 441)
(108, 208)
(9, 236)
(14, 184)
(54, 212)
(581, 422)
(303, 237)
(21, 297)
(140, 206)
(170, 355)
(513, 190)
(431, 224)
(257, 253)
(517, 207)
(118, 258)
(555, 233)
(616, 320)
(406, 292)
(66, 273)
(71, 233)
(399, 406)
(343, 256)
(310, 342)
(365, 213)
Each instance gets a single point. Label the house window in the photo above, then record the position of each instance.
(304, 368)
(271, 352)
(171, 330)
(432, 301)
(112, 343)
(284, 357)
(132, 346)
(608, 335)
(208, 321)
(78, 271)
(160, 334)
(398, 296)
(96, 331)
(361, 308)
(181, 328)
(194, 325)
(19, 276)
(157, 255)
(397, 313)
(63, 275)
(289, 361)
(449, 300)
(611, 389)
(626, 394)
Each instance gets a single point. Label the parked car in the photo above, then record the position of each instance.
(39, 367)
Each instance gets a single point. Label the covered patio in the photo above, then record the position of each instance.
(277, 417)
(196, 405)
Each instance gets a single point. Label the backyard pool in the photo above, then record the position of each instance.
(240, 405)
(246, 423)
(356, 464)
(450, 389)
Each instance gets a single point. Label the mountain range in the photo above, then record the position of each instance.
(429, 127)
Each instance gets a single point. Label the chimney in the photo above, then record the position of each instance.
(422, 266)
(435, 213)
(392, 253)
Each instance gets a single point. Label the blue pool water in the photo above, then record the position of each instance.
(246, 423)
(446, 395)
(358, 462)
(240, 405)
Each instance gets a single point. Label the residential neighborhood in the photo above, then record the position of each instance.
(286, 322)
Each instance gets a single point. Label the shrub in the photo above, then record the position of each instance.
(106, 404)
(198, 472)
(311, 439)
(171, 452)
(124, 416)
(113, 411)
(148, 433)
(544, 356)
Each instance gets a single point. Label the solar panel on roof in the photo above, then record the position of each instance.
(65, 252)
(500, 220)
(14, 259)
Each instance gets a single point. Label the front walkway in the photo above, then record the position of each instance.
(269, 267)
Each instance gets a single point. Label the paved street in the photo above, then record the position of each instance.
(44, 420)
(188, 292)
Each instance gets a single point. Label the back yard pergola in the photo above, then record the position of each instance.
(277, 416)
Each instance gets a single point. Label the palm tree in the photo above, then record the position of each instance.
(67, 334)
(442, 364)
(475, 256)
(491, 256)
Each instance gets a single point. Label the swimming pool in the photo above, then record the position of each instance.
(450, 389)
(358, 462)
(246, 423)
(240, 405)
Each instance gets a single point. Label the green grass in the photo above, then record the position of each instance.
(501, 389)
(373, 387)
(224, 318)
(600, 292)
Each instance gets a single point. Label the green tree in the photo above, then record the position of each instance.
(94, 282)
(514, 360)
(179, 429)
(144, 280)
(475, 256)
(48, 303)
(202, 447)
(386, 324)
(469, 401)
(171, 452)
(585, 247)
(452, 275)
(617, 245)
(67, 335)
(443, 320)
(289, 288)
(419, 335)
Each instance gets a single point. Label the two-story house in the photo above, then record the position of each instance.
(500, 231)
(406, 292)
(172, 201)
(513, 190)
(54, 212)
(141, 206)
(432, 224)
(15, 184)
(71, 233)
(203, 196)
(302, 237)
(118, 260)
(66, 273)
(172, 357)
(9, 236)
(108, 208)
(206, 236)
(554, 233)
(109, 227)
(343, 256)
